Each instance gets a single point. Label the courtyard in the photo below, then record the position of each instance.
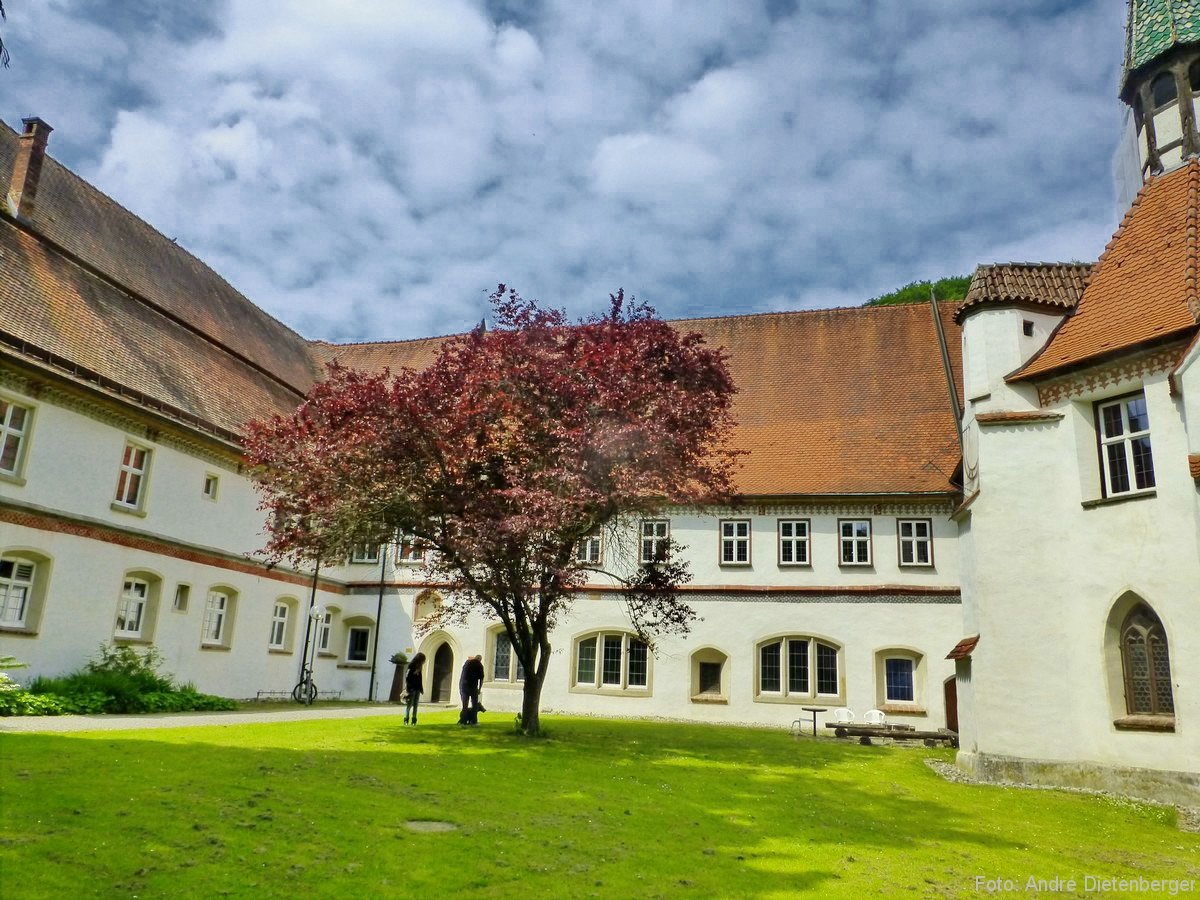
(369, 807)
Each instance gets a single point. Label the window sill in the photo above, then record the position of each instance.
(18, 630)
(803, 565)
(1119, 498)
(847, 565)
(734, 565)
(131, 639)
(823, 700)
(127, 510)
(281, 651)
(354, 665)
(1145, 723)
(12, 478)
(710, 698)
(915, 565)
(220, 648)
(901, 709)
(611, 691)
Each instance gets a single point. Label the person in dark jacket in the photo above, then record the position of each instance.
(414, 687)
(470, 683)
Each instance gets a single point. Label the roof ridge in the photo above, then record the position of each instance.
(841, 310)
(387, 341)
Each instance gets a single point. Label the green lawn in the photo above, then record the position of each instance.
(600, 808)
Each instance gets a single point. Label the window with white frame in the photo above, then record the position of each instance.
(325, 631)
(505, 664)
(656, 540)
(210, 486)
(358, 643)
(587, 549)
(16, 590)
(409, 549)
(615, 661)
(14, 432)
(279, 623)
(916, 541)
(735, 542)
(131, 481)
(218, 613)
(131, 608)
(793, 542)
(1126, 461)
(183, 593)
(365, 553)
(899, 683)
(798, 668)
(855, 541)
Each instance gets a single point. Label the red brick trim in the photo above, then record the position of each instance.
(63, 525)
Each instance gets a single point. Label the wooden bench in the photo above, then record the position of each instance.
(893, 732)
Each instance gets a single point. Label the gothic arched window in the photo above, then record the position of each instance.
(1162, 89)
(1146, 664)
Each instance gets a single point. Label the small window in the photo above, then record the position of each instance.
(16, 590)
(210, 486)
(587, 549)
(325, 631)
(1146, 664)
(1126, 461)
(279, 621)
(131, 609)
(856, 541)
(655, 540)
(623, 664)
(182, 593)
(131, 481)
(916, 542)
(793, 542)
(409, 550)
(898, 680)
(505, 665)
(14, 432)
(1027, 328)
(1162, 90)
(358, 643)
(735, 542)
(710, 678)
(365, 554)
(218, 610)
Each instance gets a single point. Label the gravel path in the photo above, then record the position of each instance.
(284, 713)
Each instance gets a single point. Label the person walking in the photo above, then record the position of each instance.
(470, 683)
(414, 687)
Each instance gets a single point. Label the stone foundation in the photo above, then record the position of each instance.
(1178, 788)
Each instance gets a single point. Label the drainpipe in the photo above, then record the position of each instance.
(378, 617)
(308, 624)
(941, 338)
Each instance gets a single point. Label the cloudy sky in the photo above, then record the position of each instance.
(369, 170)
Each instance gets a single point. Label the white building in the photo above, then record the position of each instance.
(1054, 544)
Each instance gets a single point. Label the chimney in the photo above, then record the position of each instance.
(27, 167)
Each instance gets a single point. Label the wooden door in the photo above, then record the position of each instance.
(950, 690)
(443, 674)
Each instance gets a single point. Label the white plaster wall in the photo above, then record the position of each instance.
(736, 628)
(994, 345)
(1044, 573)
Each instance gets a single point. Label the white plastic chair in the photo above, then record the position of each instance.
(875, 717)
(843, 716)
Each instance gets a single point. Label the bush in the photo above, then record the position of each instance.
(117, 680)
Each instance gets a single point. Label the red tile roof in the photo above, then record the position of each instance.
(1017, 417)
(1194, 465)
(1054, 285)
(1143, 289)
(964, 648)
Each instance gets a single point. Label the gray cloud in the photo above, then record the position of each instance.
(370, 170)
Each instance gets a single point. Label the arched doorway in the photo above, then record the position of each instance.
(443, 674)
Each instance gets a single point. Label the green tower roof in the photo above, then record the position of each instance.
(1155, 26)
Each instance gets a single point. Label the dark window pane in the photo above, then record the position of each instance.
(1118, 469)
(827, 674)
(710, 678)
(585, 671)
(1160, 666)
(899, 676)
(798, 667)
(785, 552)
(637, 663)
(768, 668)
(1162, 89)
(503, 658)
(1112, 420)
(612, 659)
(906, 552)
(1143, 463)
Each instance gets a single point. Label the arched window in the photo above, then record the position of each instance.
(797, 668)
(1146, 664)
(611, 661)
(1162, 90)
(137, 607)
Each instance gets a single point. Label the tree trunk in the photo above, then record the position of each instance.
(531, 703)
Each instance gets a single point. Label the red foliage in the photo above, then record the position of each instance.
(502, 454)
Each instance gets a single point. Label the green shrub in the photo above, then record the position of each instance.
(22, 703)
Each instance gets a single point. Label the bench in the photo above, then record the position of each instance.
(895, 733)
(287, 695)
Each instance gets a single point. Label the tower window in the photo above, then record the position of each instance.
(1162, 89)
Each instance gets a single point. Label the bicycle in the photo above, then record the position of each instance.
(305, 690)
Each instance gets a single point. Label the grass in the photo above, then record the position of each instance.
(600, 808)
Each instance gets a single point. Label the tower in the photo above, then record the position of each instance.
(1160, 81)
